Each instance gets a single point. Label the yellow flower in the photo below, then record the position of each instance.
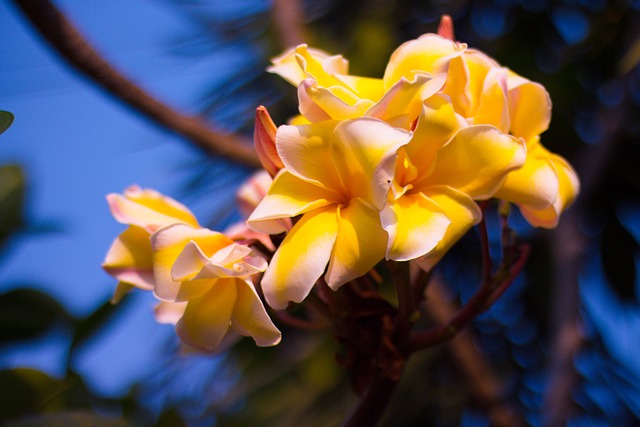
(483, 92)
(336, 176)
(326, 90)
(129, 258)
(439, 173)
(212, 274)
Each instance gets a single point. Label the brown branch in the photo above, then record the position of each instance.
(73, 47)
(288, 20)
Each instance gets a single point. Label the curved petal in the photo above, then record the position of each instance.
(122, 289)
(250, 318)
(415, 225)
(169, 312)
(206, 320)
(289, 196)
(287, 65)
(436, 125)
(129, 258)
(364, 155)
(148, 209)
(402, 103)
(364, 87)
(167, 244)
(463, 214)
(429, 53)
(536, 184)
(306, 152)
(493, 107)
(301, 258)
(569, 187)
(318, 103)
(476, 161)
(361, 243)
(264, 141)
(529, 107)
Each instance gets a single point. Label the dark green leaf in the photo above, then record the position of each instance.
(27, 313)
(12, 189)
(6, 118)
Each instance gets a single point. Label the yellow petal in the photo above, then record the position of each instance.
(569, 187)
(287, 64)
(415, 225)
(306, 152)
(249, 317)
(289, 196)
(364, 155)
(476, 161)
(436, 125)
(129, 259)
(122, 289)
(206, 320)
(429, 53)
(148, 209)
(463, 214)
(529, 107)
(401, 105)
(318, 103)
(365, 87)
(167, 244)
(320, 67)
(493, 107)
(361, 243)
(536, 184)
(301, 258)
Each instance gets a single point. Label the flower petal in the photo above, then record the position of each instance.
(476, 161)
(148, 209)
(129, 258)
(529, 107)
(536, 184)
(415, 225)
(493, 107)
(463, 214)
(250, 318)
(569, 187)
(361, 243)
(264, 139)
(364, 154)
(169, 312)
(287, 65)
(301, 258)
(167, 244)
(318, 103)
(289, 196)
(306, 152)
(206, 320)
(429, 53)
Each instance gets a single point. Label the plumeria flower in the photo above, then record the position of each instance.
(439, 173)
(129, 259)
(336, 177)
(212, 275)
(326, 90)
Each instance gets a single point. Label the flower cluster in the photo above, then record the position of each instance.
(202, 277)
(371, 169)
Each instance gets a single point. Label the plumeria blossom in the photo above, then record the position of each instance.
(212, 275)
(144, 210)
(326, 90)
(439, 173)
(336, 176)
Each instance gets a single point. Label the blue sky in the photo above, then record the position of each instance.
(76, 145)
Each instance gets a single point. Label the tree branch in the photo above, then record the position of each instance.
(73, 47)
(288, 19)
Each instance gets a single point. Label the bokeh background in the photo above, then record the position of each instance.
(562, 347)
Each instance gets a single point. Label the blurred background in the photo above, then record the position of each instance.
(561, 347)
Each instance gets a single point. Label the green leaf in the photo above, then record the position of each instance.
(6, 118)
(12, 190)
(27, 313)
